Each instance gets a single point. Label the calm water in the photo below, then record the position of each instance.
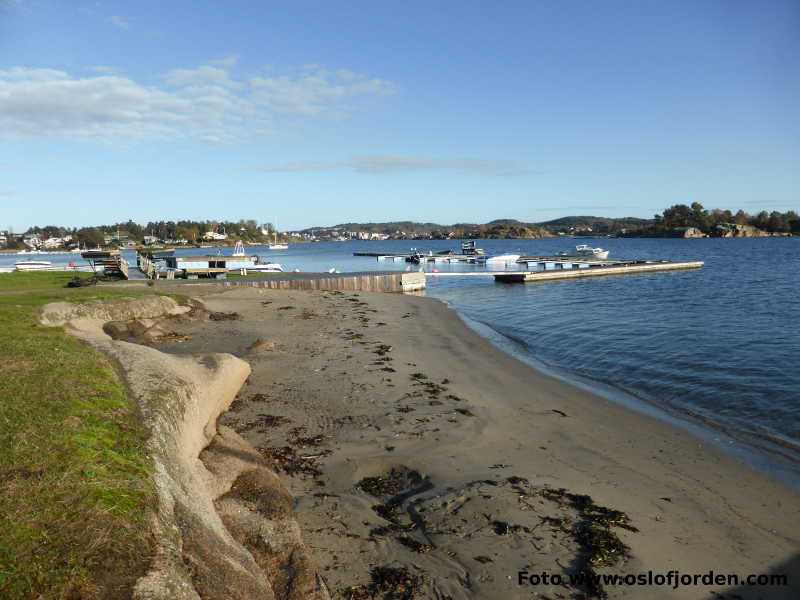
(718, 347)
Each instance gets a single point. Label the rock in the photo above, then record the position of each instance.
(688, 232)
(735, 230)
(118, 330)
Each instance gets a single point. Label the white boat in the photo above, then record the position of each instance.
(32, 265)
(587, 250)
(275, 245)
(238, 250)
(265, 268)
(503, 258)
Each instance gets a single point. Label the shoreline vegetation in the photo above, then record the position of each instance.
(679, 220)
(77, 489)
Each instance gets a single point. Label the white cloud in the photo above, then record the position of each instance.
(206, 103)
(120, 22)
(379, 165)
(313, 93)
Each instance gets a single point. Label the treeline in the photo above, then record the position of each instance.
(190, 231)
(695, 215)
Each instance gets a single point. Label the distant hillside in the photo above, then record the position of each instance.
(498, 228)
(596, 224)
(501, 228)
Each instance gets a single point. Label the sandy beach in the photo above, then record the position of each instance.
(411, 443)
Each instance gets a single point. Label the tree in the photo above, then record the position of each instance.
(90, 236)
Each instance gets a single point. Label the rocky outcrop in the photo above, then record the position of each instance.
(688, 232)
(728, 230)
(225, 525)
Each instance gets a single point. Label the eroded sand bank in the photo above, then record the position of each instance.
(472, 448)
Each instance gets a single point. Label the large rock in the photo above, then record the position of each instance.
(688, 232)
(735, 230)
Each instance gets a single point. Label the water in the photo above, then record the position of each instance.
(716, 349)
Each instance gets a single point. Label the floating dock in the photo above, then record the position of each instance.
(568, 271)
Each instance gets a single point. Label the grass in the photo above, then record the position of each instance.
(76, 490)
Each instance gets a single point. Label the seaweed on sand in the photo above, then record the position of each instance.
(287, 460)
(601, 546)
(223, 316)
(387, 583)
(382, 486)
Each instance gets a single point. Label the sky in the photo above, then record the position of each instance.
(318, 113)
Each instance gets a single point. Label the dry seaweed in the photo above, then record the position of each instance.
(414, 545)
(287, 460)
(223, 316)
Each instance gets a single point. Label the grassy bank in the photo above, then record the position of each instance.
(75, 485)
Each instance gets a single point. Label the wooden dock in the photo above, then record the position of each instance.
(109, 262)
(621, 268)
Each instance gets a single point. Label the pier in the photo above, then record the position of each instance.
(594, 270)
(109, 262)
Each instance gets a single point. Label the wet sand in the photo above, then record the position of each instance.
(410, 442)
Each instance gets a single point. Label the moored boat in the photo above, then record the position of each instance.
(32, 265)
(503, 258)
(587, 250)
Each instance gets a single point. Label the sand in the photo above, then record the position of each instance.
(484, 461)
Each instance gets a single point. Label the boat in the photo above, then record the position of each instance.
(469, 248)
(32, 265)
(587, 250)
(503, 258)
(265, 268)
(238, 250)
(275, 245)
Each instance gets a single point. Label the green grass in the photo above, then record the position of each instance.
(76, 489)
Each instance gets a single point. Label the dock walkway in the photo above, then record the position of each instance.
(621, 268)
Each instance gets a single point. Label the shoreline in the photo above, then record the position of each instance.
(735, 444)
(695, 508)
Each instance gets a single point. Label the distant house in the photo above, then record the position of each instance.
(213, 235)
(56, 242)
(32, 241)
(150, 239)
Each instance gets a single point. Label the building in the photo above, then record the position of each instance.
(213, 235)
(32, 240)
(56, 242)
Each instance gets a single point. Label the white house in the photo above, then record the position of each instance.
(213, 235)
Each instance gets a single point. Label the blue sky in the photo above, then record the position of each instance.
(317, 113)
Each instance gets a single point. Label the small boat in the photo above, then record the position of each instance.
(503, 258)
(265, 268)
(587, 250)
(415, 257)
(238, 250)
(33, 265)
(469, 248)
(275, 245)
